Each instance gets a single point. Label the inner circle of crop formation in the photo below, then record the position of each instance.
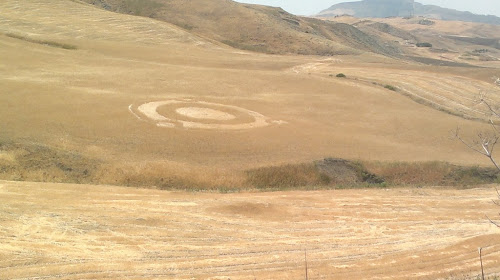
(204, 113)
(198, 115)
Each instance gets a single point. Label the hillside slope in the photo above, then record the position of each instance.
(452, 43)
(437, 12)
(77, 114)
(403, 8)
(253, 27)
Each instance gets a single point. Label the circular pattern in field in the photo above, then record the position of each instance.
(204, 113)
(199, 115)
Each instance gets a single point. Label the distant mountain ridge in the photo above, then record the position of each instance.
(403, 8)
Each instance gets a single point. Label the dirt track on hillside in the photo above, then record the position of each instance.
(55, 231)
(455, 95)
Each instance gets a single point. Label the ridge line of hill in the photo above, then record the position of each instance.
(254, 27)
(403, 8)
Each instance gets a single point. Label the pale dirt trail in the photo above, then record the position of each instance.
(56, 231)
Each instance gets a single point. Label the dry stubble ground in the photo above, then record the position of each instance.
(77, 100)
(57, 231)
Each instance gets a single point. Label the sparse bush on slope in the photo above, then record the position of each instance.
(424, 45)
(286, 176)
(389, 87)
(432, 174)
(31, 162)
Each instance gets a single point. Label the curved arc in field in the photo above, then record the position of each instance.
(150, 111)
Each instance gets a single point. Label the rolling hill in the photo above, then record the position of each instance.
(253, 27)
(448, 42)
(403, 8)
(79, 86)
(127, 144)
(272, 30)
(109, 98)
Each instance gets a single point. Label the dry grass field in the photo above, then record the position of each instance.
(57, 231)
(90, 96)
(452, 41)
(79, 99)
(251, 27)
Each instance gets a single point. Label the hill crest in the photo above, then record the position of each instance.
(253, 27)
(403, 8)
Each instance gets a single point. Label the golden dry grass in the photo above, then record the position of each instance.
(171, 176)
(287, 176)
(73, 107)
(431, 173)
(78, 100)
(452, 41)
(55, 231)
(44, 164)
(452, 94)
(250, 27)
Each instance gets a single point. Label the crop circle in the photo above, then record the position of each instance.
(204, 113)
(198, 115)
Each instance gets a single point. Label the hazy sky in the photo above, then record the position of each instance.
(301, 7)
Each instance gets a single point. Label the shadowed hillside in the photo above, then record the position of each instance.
(403, 8)
(253, 27)
(435, 42)
(372, 8)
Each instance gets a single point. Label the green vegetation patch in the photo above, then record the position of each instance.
(424, 45)
(426, 22)
(389, 87)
